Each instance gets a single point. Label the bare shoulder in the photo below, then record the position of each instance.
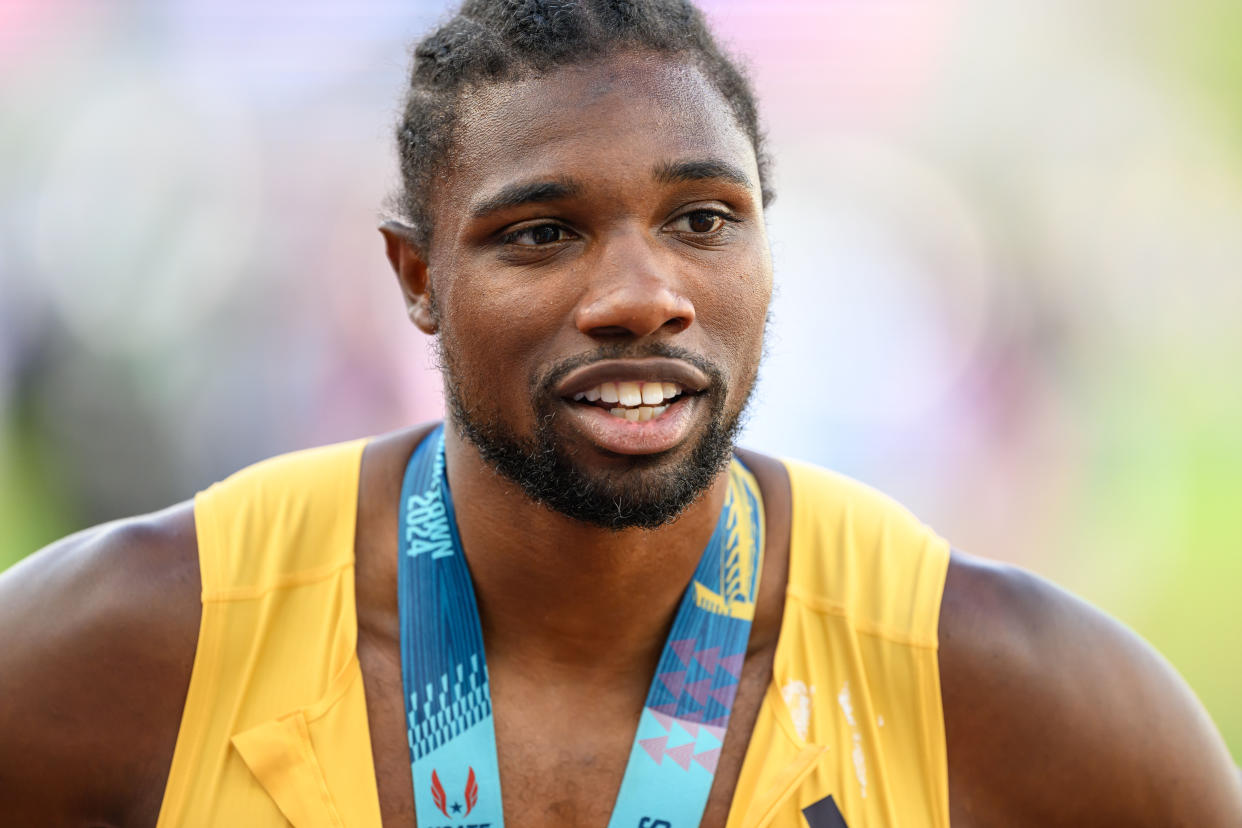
(97, 640)
(1056, 714)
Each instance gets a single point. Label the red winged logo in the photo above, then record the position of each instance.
(441, 799)
(437, 793)
(472, 792)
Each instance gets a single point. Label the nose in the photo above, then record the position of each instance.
(633, 291)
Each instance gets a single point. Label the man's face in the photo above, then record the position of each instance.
(599, 235)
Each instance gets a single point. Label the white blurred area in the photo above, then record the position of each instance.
(1008, 239)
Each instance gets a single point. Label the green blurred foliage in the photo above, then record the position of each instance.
(1157, 541)
(33, 510)
(1201, 41)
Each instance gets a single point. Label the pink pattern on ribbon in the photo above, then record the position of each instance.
(698, 690)
(725, 695)
(709, 658)
(684, 649)
(674, 682)
(708, 759)
(682, 754)
(733, 664)
(665, 719)
(654, 747)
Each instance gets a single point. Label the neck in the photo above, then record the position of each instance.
(559, 592)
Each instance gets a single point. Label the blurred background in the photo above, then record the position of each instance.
(1008, 242)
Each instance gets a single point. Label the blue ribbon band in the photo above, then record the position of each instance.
(444, 671)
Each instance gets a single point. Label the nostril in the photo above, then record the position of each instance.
(676, 324)
(611, 331)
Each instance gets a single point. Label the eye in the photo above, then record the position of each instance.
(700, 222)
(537, 235)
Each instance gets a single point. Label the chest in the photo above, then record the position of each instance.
(562, 751)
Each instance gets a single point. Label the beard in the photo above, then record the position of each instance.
(651, 492)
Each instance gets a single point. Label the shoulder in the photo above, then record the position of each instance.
(286, 518)
(856, 552)
(98, 631)
(1057, 714)
(97, 639)
(829, 503)
(266, 488)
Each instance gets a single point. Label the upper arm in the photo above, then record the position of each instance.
(1056, 714)
(97, 638)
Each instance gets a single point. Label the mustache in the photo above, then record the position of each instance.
(552, 377)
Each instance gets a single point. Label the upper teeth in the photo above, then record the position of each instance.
(631, 394)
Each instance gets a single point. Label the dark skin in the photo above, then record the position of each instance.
(1055, 715)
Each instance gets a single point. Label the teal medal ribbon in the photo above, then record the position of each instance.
(448, 705)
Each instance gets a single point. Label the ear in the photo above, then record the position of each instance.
(410, 265)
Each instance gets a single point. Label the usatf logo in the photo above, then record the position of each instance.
(648, 822)
(470, 795)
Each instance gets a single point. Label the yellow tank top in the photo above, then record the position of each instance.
(275, 731)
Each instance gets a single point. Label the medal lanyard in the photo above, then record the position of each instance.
(449, 707)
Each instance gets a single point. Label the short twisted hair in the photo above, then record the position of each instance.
(495, 41)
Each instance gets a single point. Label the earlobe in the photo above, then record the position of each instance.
(410, 265)
(421, 315)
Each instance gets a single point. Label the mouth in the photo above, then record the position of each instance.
(634, 406)
(632, 401)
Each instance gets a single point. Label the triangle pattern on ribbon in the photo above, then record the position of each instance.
(703, 747)
(684, 649)
(682, 754)
(699, 690)
(733, 664)
(707, 739)
(724, 695)
(709, 658)
(708, 759)
(674, 681)
(665, 720)
(654, 747)
(696, 685)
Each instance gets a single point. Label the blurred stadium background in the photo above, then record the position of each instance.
(1008, 239)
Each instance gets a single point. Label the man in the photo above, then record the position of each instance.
(673, 637)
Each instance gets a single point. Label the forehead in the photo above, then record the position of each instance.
(611, 119)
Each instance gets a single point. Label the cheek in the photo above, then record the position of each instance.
(494, 329)
(734, 304)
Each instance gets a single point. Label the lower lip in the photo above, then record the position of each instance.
(619, 436)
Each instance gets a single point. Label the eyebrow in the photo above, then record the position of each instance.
(545, 190)
(526, 192)
(674, 172)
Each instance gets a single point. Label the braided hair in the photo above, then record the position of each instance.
(496, 41)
